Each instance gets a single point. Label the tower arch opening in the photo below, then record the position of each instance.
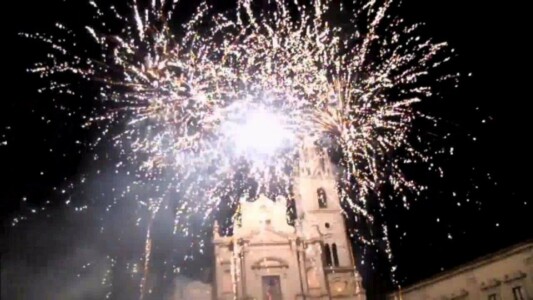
(322, 198)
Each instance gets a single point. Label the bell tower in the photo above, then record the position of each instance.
(320, 218)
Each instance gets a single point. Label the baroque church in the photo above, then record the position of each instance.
(267, 259)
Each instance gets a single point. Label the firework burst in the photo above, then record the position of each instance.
(191, 95)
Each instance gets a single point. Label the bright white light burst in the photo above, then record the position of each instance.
(261, 134)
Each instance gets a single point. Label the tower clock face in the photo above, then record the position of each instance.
(338, 287)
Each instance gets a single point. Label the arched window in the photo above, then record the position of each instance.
(327, 254)
(322, 199)
(335, 255)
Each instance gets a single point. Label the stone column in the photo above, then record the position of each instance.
(244, 250)
(300, 258)
(238, 268)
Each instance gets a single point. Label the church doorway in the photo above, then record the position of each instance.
(271, 288)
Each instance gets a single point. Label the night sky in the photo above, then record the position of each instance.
(479, 206)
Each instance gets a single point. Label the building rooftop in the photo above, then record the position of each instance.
(478, 262)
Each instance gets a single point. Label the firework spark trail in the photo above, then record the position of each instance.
(177, 91)
(147, 255)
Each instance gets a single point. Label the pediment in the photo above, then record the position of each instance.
(268, 236)
(514, 276)
(491, 283)
(269, 263)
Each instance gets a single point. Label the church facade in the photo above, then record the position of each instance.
(267, 259)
